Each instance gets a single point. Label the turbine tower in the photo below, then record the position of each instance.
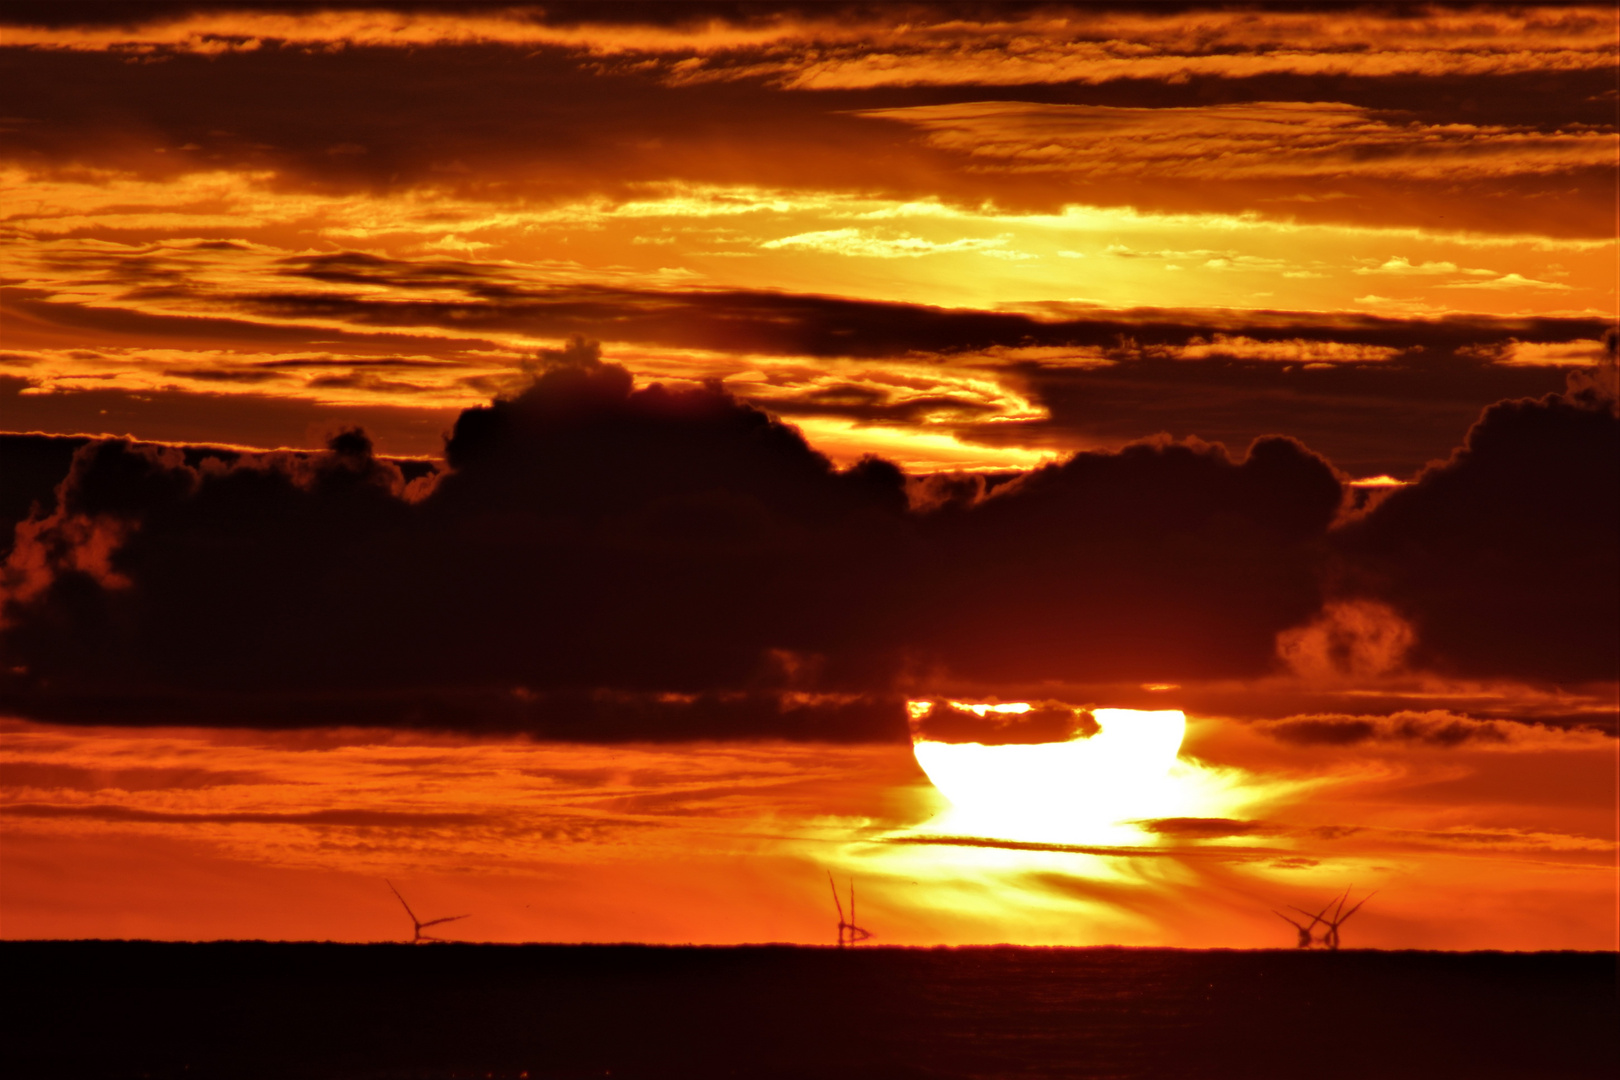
(419, 937)
(848, 932)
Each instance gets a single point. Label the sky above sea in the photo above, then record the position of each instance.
(1081, 474)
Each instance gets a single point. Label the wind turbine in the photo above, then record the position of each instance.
(418, 923)
(1340, 917)
(848, 932)
(1303, 928)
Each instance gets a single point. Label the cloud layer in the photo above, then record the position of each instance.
(661, 93)
(1202, 300)
(249, 344)
(597, 560)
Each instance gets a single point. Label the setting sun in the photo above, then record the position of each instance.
(1063, 791)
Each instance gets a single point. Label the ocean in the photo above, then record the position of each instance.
(560, 1012)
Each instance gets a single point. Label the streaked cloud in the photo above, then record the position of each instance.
(1432, 728)
(1508, 281)
(344, 330)
(1298, 140)
(837, 51)
(857, 242)
(1400, 265)
(1584, 353)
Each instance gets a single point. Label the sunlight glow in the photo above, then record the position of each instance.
(1092, 780)
(1086, 790)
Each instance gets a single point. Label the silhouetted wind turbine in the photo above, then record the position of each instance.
(1303, 928)
(1340, 917)
(1305, 940)
(418, 923)
(848, 932)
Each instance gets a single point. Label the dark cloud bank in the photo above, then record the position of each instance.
(598, 561)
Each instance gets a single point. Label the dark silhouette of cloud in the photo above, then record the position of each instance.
(1167, 560)
(603, 561)
(1046, 722)
(1503, 558)
(36, 464)
(596, 552)
(1193, 828)
(600, 561)
(1428, 729)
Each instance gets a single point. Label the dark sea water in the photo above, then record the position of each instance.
(249, 1009)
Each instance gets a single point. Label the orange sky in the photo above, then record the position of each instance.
(969, 241)
(585, 175)
(183, 833)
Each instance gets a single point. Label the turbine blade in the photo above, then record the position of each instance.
(1286, 919)
(447, 918)
(407, 907)
(1314, 918)
(1346, 916)
(836, 902)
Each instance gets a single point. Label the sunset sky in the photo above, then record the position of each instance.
(604, 467)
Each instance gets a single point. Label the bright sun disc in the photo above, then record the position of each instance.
(1068, 789)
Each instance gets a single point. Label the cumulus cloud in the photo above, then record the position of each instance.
(328, 569)
(602, 560)
(1163, 561)
(599, 560)
(1502, 558)
(1355, 639)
